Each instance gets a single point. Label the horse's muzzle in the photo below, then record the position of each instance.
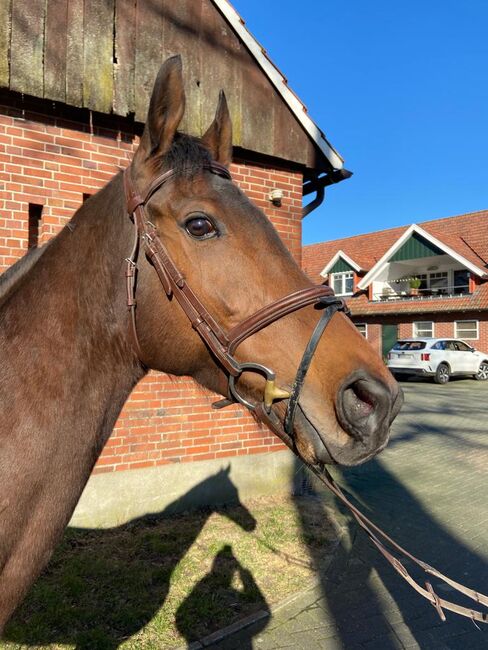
(365, 408)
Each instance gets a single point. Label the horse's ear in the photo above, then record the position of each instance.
(218, 137)
(166, 108)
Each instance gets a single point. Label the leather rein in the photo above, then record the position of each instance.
(223, 345)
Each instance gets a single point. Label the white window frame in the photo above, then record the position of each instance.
(438, 275)
(415, 329)
(365, 325)
(459, 334)
(342, 275)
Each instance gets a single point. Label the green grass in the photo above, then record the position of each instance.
(160, 582)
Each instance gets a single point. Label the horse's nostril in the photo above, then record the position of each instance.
(363, 405)
(358, 401)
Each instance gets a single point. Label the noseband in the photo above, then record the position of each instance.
(222, 343)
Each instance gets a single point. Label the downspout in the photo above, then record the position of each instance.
(318, 185)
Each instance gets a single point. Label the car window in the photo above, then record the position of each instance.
(451, 345)
(440, 345)
(409, 345)
(463, 347)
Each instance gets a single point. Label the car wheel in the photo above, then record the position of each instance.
(442, 374)
(482, 374)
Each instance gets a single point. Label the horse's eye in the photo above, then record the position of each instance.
(200, 227)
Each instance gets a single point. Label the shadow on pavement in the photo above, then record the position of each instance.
(370, 605)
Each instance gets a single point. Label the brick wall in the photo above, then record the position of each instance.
(52, 160)
(443, 327)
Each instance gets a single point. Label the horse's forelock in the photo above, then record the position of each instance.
(187, 156)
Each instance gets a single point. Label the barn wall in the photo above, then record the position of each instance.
(52, 161)
(104, 55)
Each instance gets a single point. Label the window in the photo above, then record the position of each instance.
(343, 283)
(423, 328)
(409, 345)
(466, 329)
(438, 282)
(462, 347)
(461, 281)
(35, 216)
(440, 345)
(423, 281)
(363, 329)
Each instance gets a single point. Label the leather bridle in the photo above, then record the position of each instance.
(223, 345)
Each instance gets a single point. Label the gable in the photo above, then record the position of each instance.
(341, 266)
(415, 247)
(464, 237)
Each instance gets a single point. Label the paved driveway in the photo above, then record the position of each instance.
(429, 489)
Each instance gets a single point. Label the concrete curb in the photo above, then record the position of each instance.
(225, 632)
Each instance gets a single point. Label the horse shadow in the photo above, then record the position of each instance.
(220, 579)
(103, 586)
(366, 600)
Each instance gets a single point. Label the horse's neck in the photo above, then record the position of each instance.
(13, 275)
(65, 330)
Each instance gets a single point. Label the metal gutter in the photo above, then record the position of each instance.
(318, 185)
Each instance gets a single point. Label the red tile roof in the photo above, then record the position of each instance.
(466, 234)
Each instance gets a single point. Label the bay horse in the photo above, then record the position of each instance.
(74, 344)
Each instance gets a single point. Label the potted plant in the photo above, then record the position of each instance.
(414, 284)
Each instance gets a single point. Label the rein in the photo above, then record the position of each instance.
(223, 344)
(381, 540)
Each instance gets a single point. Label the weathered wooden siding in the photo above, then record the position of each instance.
(104, 55)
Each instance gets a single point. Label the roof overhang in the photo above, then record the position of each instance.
(280, 83)
(380, 265)
(340, 255)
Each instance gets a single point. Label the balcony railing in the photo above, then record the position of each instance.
(388, 294)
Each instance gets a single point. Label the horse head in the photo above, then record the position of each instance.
(227, 251)
(222, 485)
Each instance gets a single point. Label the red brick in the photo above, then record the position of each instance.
(62, 163)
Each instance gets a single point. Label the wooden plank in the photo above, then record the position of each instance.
(257, 110)
(125, 51)
(182, 32)
(5, 33)
(55, 50)
(97, 55)
(74, 53)
(224, 56)
(27, 46)
(290, 140)
(149, 47)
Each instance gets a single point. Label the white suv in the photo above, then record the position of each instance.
(438, 358)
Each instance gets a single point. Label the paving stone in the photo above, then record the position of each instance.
(429, 489)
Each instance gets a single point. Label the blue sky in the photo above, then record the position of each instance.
(400, 90)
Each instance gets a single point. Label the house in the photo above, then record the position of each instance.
(75, 79)
(427, 279)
